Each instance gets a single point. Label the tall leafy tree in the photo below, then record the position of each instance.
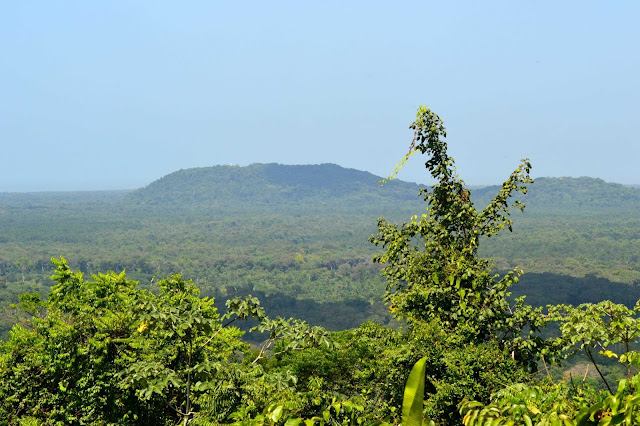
(101, 351)
(432, 265)
(178, 347)
(61, 367)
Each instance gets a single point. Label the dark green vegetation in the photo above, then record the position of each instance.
(298, 243)
(296, 236)
(106, 350)
(574, 226)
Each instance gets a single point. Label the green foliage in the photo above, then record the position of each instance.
(460, 321)
(63, 367)
(369, 367)
(414, 395)
(577, 244)
(519, 403)
(431, 262)
(179, 346)
(252, 248)
(622, 408)
(606, 328)
(552, 405)
(104, 352)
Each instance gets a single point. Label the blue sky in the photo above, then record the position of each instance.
(110, 95)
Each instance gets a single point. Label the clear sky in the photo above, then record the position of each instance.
(116, 94)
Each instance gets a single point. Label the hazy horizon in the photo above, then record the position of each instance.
(425, 182)
(99, 96)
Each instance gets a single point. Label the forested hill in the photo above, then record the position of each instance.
(298, 235)
(327, 185)
(575, 196)
(332, 186)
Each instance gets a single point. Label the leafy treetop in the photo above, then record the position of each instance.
(432, 266)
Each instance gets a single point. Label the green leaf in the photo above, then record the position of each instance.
(276, 413)
(617, 419)
(414, 395)
(527, 420)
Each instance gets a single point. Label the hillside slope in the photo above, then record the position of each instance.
(274, 185)
(579, 196)
(329, 185)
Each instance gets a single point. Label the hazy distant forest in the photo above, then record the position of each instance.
(273, 294)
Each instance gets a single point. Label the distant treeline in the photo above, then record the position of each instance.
(297, 235)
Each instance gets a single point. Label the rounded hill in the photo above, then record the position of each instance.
(272, 184)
